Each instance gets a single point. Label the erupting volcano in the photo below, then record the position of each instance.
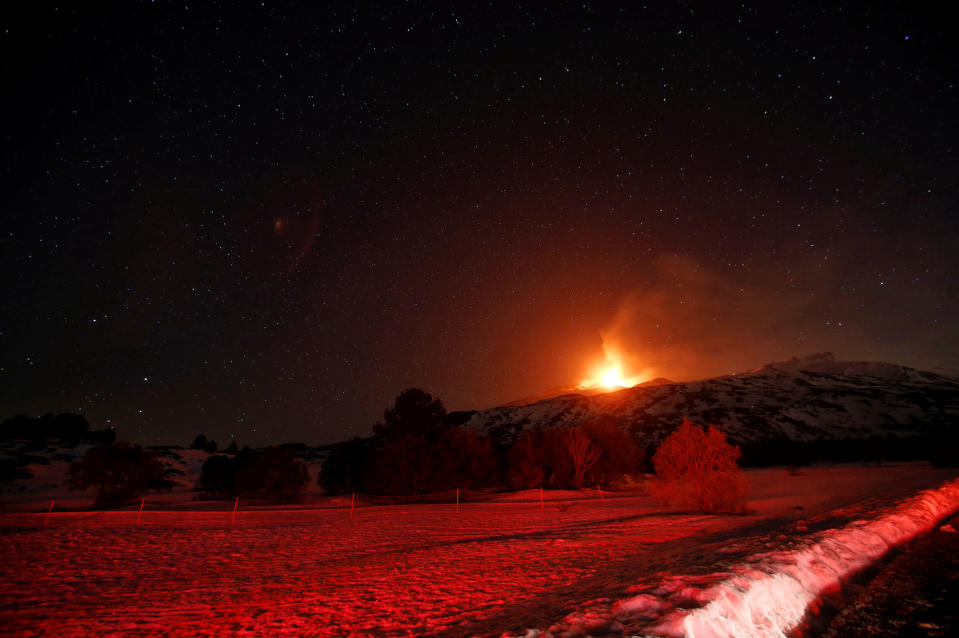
(610, 374)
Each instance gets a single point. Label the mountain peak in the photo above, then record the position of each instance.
(797, 363)
(827, 363)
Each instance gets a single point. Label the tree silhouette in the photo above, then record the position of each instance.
(415, 412)
(346, 468)
(464, 459)
(119, 472)
(276, 474)
(619, 453)
(525, 463)
(273, 474)
(697, 468)
(582, 452)
(404, 466)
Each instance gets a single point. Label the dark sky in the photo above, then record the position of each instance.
(263, 222)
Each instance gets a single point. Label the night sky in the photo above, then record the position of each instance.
(260, 222)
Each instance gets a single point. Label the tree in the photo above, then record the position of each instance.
(463, 459)
(404, 466)
(697, 468)
(119, 472)
(218, 477)
(525, 463)
(200, 442)
(346, 467)
(582, 452)
(619, 456)
(415, 412)
(540, 458)
(273, 474)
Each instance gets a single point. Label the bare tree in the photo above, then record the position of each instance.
(583, 453)
(697, 468)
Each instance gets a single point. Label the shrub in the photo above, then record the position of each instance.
(697, 468)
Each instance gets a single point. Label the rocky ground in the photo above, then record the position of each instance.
(915, 594)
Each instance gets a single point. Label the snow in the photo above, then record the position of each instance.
(770, 596)
(806, 399)
(498, 567)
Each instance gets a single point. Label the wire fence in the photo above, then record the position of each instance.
(455, 499)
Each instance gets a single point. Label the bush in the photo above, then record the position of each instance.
(697, 468)
(119, 472)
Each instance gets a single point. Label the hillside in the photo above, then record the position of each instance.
(809, 399)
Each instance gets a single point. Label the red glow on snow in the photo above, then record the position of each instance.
(496, 567)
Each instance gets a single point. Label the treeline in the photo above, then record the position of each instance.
(940, 447)
(119, 472)
(69, 428)
(419, 449)
(274, 474)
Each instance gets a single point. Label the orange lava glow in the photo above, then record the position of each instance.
(610, 374)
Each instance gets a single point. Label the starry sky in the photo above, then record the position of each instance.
(263, 221)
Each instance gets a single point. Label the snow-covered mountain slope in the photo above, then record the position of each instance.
(572, 389)
(801, 400)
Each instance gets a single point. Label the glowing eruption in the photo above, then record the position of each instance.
(609, 375)
(613, 377)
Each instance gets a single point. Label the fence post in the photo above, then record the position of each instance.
(541, 506)
(352, 504)
(140, 513)
(49, 511)
(457, 500)
(235, 503)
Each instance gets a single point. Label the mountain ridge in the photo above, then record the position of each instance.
(800, 399)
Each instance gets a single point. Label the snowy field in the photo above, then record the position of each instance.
(575, 565)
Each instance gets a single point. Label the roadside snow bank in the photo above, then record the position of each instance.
(771, 594)
(767, 595)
